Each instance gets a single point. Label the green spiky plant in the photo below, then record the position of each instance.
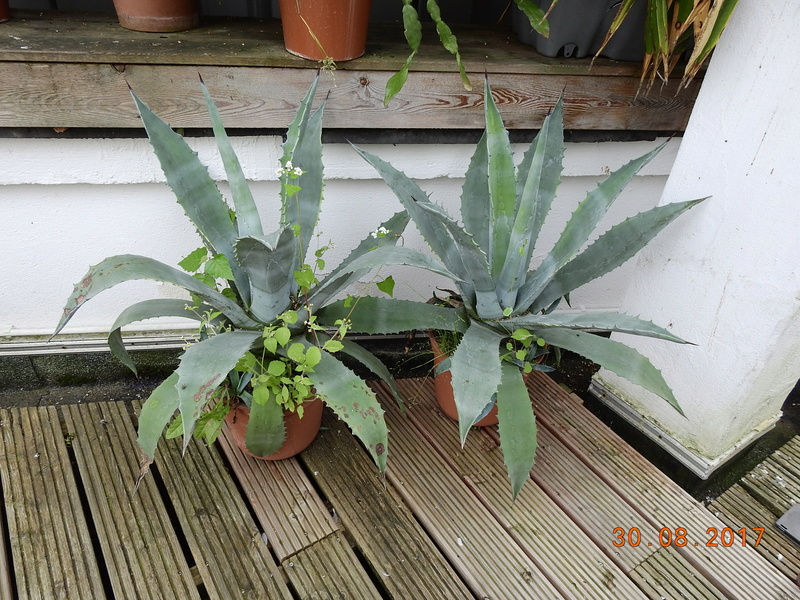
(505, 301)
(255, 296)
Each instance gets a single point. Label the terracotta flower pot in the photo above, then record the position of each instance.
(340, 27)
(5, 11)
(443, 387)
(299, 432)
(157, 16)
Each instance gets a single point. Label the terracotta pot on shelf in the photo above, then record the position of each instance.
(5, 11)
(157, 16)
(443, 386)
(340, 27)
(299, 432)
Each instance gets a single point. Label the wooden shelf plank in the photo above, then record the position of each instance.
(70, 72)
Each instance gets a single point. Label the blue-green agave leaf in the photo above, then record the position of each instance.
(266, 431)
(374, 315)
(156, 413)
(337, 280)
(148, 309)
(202, 368)
(476, 207)
(354, 403)
(614, 356)
(271, 272)
(248, 220)
(610, 250)
(302, 208)
(475, 367)
(516, 426)
(195, 191)
(579, 228)
(412, 197)
(128, 267)
(537, 181)
(616, 322)
(502, 183)
(477, 276)
(369, 360)
(294, 131)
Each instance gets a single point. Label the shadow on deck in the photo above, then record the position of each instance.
(216, 524)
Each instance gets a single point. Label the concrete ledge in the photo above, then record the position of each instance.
(701, 466)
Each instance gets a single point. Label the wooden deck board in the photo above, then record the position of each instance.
(486, 556)
(560, 548)
(441, 527)
(140, 547)
(401, 556)
(776, 481)
(50, 543)
(666, 575)
(314, 573)
(738, 510)
(232, 556)
(283, 500)
(739, 572)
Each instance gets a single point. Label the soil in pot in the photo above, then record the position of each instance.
(299, 432)
(339, 26)
(443, 386)
(157, 16)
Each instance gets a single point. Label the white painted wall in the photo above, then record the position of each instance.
(727, 276)
(67, 204)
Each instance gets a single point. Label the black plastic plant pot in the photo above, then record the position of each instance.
(578, 27)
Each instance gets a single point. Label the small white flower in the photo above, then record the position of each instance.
(379, 232)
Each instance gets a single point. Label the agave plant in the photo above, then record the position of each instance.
(258, 297)
(503, 208)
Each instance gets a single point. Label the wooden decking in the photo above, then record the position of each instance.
(215, 524)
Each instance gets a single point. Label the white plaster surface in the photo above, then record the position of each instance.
(67, 204)
(726, 277)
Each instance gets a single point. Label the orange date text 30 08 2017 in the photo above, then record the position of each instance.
(679, 536)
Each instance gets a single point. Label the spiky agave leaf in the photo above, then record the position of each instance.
(613, 322)
(203, 367)
(266, 431)
(610, 250)
(579, 228)
(614, 356)
(374, 315)
(248, 220)
(353, 402)
(156, 413)
(341, 277)
(300, 210)
(195, 190)
(516, 426)
(270, 269)
(129, 267)
(538, 179)
(149, 309)
(475, 366)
